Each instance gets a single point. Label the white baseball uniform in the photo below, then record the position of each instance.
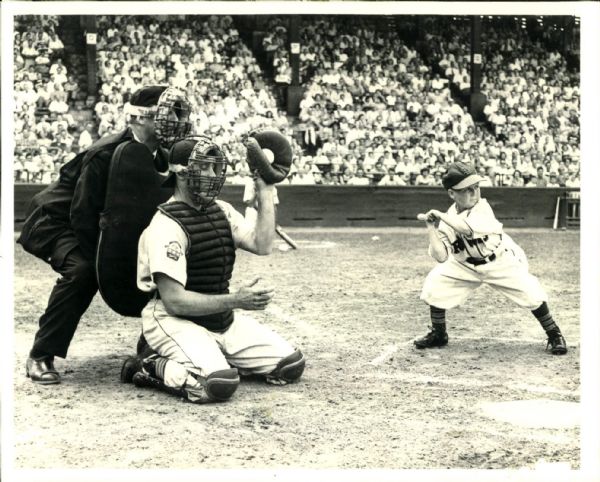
(488, 256)
(245, 344)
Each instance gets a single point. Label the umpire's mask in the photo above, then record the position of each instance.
(202, 165)
(172, 118)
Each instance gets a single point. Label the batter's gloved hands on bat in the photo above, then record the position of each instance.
(433, 215)
(273, 170)
(253, 297)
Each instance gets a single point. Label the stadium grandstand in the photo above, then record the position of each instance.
(365, 100)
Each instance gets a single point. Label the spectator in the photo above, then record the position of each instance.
(303, 177)
(85, 138)
(359, 178)
(391, 179)
(540, 179)
(516, 179)
(425, 178)
(553, 180)
(573, 180)
(330, 179)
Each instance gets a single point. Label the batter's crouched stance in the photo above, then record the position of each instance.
(471, 247)
(196, 346)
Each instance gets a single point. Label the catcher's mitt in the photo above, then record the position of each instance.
(271, 172)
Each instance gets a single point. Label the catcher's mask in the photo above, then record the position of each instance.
(202, 165)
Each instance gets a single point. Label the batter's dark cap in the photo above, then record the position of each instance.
(460, 175)
(147, 96)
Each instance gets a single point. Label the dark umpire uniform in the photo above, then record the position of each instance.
(62, 228)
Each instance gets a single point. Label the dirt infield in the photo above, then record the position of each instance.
(368, 399)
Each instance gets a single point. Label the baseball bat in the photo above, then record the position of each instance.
(286, 237)
(555, 224)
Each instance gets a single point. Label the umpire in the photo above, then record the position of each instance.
(62, 224)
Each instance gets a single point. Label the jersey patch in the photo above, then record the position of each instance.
(174, 250)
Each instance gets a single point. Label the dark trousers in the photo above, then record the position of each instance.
(69, 299)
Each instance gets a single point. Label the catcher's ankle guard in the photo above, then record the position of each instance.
(222, 384)
(143, 380)
(290, 368)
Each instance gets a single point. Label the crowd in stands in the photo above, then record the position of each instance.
(376, 110)
(532, 97)
(205, 57)
(370, 92)
(46, 135)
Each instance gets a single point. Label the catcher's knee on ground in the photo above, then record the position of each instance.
(289, 369)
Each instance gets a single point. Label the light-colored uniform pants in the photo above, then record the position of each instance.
(247, 345)
(450, 283)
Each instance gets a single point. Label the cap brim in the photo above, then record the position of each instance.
(468, 181)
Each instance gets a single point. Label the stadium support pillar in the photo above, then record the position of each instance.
(294, 91)
(476, 100)
(90, 33)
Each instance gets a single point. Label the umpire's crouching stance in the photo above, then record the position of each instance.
(196, 346)
(64, 220)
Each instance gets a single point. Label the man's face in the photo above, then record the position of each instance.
(201, 181)
(465, 198)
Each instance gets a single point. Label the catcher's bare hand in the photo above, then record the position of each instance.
(253, 297)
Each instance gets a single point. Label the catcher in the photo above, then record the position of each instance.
(471, 248)
(197, 337)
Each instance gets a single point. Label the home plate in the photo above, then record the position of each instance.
(538, 413)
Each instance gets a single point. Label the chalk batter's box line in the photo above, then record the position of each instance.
(431, 382)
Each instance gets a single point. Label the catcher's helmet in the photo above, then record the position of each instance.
(203, 166)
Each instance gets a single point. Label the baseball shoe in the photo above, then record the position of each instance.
(42, 371)
(130, 367)
(432, 339)
(556, 343)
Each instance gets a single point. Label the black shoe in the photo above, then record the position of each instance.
(42, 371)
(432, 339)
(130, 367)
(556, 343)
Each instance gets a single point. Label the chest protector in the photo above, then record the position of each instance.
(133, 192)
(210, 255)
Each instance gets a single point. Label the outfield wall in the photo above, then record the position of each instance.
(334, 206)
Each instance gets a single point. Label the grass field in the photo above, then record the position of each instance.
(368, 399)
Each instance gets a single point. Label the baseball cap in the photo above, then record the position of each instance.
(460, 175)
(143, 100)
(147, 96)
